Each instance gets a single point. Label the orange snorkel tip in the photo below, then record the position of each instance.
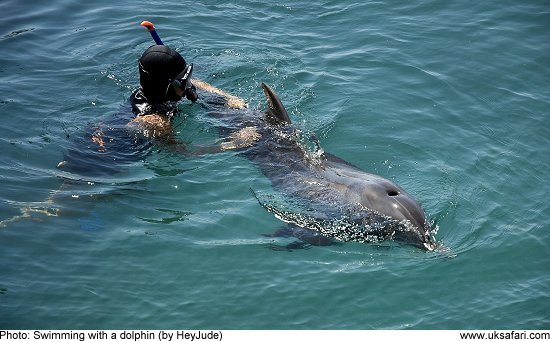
(151, 28)
(148, 25)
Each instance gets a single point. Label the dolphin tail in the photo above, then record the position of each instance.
(276, 113)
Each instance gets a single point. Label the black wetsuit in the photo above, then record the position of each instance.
(107, 147)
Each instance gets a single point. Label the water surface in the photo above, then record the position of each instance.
(450, 101)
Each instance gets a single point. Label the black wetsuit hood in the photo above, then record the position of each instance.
(158, 67)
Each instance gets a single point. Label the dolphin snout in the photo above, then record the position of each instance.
(413, 235)
(417, 231)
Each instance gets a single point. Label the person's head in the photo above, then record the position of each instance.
(159, 67)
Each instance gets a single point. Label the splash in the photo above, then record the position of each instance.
(357, 224)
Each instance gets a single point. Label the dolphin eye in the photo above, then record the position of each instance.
(393, 193)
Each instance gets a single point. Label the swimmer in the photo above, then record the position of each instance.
(126, 137)
(165, 78)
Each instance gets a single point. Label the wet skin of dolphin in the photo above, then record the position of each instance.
(358, 206)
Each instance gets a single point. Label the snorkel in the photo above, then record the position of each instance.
(151, 28)
(182, 81)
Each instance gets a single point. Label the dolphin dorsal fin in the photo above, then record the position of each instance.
(276, 112)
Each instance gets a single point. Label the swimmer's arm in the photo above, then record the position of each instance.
(246, 137)
(159, 128)
(183, 149)
(233, 102)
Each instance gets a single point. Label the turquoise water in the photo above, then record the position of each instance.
(449, 100)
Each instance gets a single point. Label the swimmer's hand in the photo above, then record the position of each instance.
(234, 102)
(241, 139)
(191, 94)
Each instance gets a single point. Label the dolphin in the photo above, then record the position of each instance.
(351, 204)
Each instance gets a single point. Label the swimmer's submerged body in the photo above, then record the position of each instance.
(145, 120)
(128, 136)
